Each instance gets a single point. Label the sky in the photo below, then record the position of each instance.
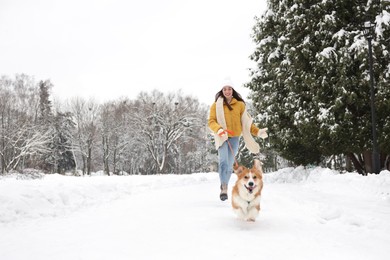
(108, 49)
(306, 214)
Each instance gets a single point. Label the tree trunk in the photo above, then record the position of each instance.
(84, 164)
(89, 159)
(2, 157)
(387, 162)
(382, 161)
(367, 157)
(359, 168)
(114, 161)
(105, 156)
(2, 165)
(348, 164)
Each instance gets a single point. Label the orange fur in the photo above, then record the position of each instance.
(246, 192)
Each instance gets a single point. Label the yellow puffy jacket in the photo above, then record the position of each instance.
(232, 118)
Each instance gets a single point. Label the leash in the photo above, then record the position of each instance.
(227, 131)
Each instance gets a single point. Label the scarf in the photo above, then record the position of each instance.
(246, 123)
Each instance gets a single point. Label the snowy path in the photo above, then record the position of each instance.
(298, 221)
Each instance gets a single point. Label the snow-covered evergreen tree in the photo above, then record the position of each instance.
(62, 156)
(311, 85)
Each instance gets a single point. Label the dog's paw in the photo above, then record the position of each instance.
(251, 220)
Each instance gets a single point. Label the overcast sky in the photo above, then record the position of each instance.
(108, 49)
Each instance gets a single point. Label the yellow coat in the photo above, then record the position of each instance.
(232, 118)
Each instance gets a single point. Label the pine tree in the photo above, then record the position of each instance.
(311, 83)
(45, 113)
(62, 158)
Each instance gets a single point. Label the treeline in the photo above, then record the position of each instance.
(155, 133)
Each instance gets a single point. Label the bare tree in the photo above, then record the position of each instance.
(6, 101)
(21, 137)
(190, 152)
(161, 121)
(86, 117)
(26, 143)
(114, 131)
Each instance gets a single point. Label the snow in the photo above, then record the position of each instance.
(330, 17)
(273, 55)
(382, 19)
(324, 114)
(328, 52)
(340, 34)
(314, 213)
(294, 7)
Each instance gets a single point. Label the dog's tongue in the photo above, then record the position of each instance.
(250, 188)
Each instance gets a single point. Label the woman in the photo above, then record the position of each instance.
(228, 120)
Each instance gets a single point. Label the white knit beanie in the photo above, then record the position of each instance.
(227, 81)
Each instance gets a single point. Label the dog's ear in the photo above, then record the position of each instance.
(238, 169)
(258, 165)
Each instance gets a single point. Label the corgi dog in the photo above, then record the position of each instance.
(247, 191)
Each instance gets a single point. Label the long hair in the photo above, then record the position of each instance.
(236, 95)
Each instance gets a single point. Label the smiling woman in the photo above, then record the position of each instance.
(109, 49)
(228, 120)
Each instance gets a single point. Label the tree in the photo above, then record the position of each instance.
(62, 157)
(45, 112)
(160, 122)
(6, 101)
(23, 140)
(85, 115)
(115, 131)
(311, 83)
(189, 152)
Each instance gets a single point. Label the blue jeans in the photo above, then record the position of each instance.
(226, 159)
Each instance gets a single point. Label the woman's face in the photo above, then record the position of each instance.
(227, 91)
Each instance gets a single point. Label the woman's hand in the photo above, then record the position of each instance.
(221, 132)
(263, 133)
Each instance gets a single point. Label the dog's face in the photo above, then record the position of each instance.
(250, 179)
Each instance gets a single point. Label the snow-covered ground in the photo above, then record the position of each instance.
(306, 214)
